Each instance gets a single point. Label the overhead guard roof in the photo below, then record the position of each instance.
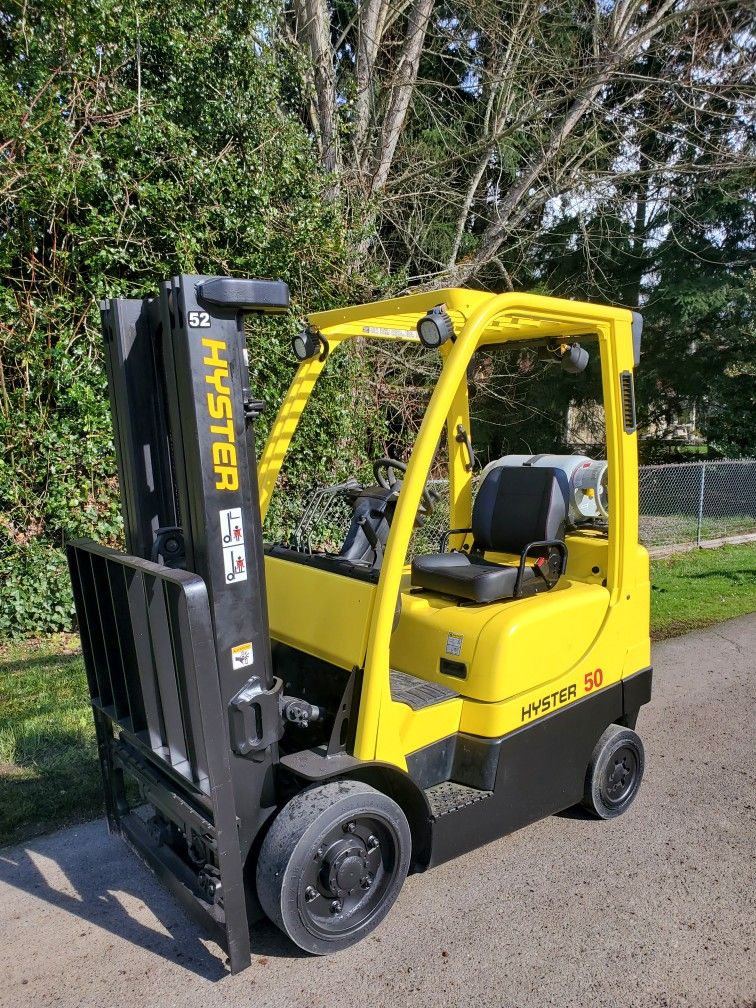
(519, 316)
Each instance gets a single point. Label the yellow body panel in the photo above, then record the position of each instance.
(519, 653)
(609, 655)
(324, 614)
(507, 647)
(408, 730)
(587, 557)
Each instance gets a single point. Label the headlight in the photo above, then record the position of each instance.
(307, 344)
(435, 328)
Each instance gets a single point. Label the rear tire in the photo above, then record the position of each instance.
(332, 864)
(615, 772)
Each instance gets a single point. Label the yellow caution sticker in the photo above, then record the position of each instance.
(242, 655)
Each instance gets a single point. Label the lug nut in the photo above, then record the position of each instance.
(311, 893)
(336, 906)
(366, 881)
(372, 842)
(349, 827)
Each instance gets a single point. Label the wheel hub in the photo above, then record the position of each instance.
(350, 872)
(619, 777)
(346, 866)
(620, 774)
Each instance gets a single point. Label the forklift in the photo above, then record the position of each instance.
(287, 731)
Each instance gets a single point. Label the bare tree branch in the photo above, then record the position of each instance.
(401, 94)
(314, 24)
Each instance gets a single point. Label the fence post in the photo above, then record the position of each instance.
(701, 503)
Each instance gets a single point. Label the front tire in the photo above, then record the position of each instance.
(332, 864)
(614, 773)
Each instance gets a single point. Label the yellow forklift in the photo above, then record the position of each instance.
(304, 727)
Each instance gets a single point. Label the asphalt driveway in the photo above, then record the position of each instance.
(653, 909)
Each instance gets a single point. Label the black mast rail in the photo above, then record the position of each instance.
(175, 631)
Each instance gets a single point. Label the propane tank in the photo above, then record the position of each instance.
(586, 494)
(590, 495)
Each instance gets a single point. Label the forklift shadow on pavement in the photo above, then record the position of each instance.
(80, 879)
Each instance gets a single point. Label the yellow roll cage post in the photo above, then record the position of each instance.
(480, 320)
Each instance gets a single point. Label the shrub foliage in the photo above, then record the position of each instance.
(132, 148)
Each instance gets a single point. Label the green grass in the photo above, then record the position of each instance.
(695, 589)
(48, 764)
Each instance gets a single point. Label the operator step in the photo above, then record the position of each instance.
(418, 693)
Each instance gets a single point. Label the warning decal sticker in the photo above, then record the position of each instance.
(454, 644)
(242, 655)
(232, 543)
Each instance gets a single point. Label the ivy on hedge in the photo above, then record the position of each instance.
(138, 141)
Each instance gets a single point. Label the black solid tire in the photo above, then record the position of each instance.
(614, 773)
(292, 864)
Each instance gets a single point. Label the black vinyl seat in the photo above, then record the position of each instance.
(518, 509)
(468, 577)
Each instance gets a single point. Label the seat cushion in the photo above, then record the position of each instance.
(461, 576)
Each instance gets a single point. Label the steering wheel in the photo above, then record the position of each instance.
(385, 469)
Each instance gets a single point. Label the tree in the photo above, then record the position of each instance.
(585, 150)
(450, 129)
(675, 238)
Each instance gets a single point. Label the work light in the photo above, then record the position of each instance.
(435, 328)
(307, 344)
(574, 358)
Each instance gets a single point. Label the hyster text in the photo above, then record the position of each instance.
(549, 701)
(219, 407)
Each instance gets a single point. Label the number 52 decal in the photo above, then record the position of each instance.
(593, 680)
(198, 320)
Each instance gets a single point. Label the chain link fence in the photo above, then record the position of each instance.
(680, 504)
(690, 502)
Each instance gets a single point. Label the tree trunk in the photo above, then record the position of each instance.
(401, 95)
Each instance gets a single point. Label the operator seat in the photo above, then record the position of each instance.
(518, 509)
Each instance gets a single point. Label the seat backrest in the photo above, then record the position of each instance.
(517, 505)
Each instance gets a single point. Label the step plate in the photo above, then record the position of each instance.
(418, 693)
(450, 797)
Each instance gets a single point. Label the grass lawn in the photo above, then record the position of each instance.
(49, 773)
(695, 589)
(48, 766)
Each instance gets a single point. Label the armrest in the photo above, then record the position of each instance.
(546, 544)
(443, 542)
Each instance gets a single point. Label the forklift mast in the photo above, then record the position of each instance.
(186, 605)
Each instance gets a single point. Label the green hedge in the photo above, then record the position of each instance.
(123, 165)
